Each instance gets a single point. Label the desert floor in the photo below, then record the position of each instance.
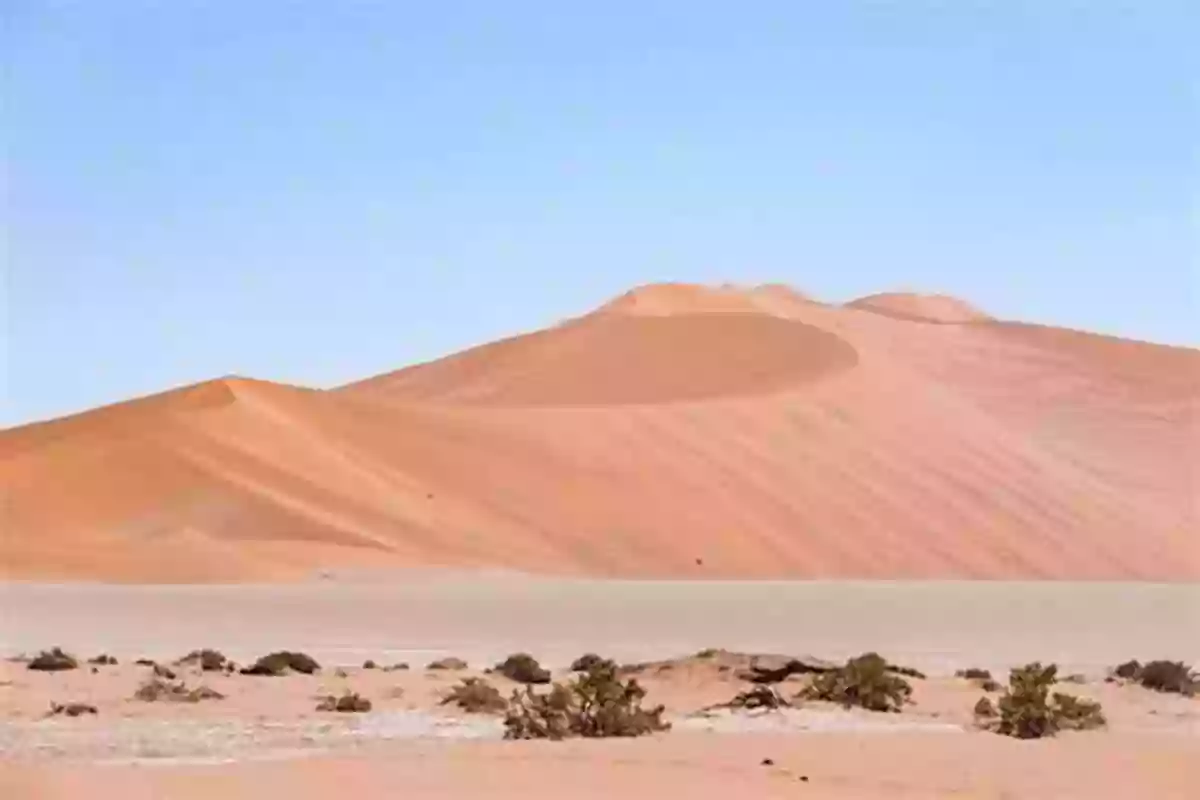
(265, 736)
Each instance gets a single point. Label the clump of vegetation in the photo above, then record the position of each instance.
(523, 668)
(145, 662)
(164, 672)
(71, 709)
(157, 689)
(450, 663)
(589, 661)
(985, 708)
(348, 703)
(280, 663)
(708, 652)
(103, 660)
(864, 682)
(369, 664)
(476, 696)
(208, 660)
(909, 672)
(396, 667)
(761, 696)
(1129, 670)
(1169, 676)
(53, 660)
(1029, 709)
(974, 674)
(594, 704)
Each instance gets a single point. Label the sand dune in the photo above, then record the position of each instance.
(677, 431)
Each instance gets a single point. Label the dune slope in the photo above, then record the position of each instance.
(677, 431)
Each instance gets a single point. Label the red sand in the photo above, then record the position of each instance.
(677, 432)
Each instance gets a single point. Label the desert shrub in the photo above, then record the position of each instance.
(1029, 709)
(985, 708)
(71, 709)
(208, 660)
(53, 660)
(1129, 670)
(396, 667)
(908, 672)
(523, 668)
(866, 682)
(348, 703)
(369, 664)
(761, 696)
(974, 674)
(164, 672)
(145, 662)
(991, 685)
(103, 660)
(708, 652)
(594, 704)
(157, 689)
(589, 661)
(281, 662)
(450, 663)
(1169, 676)
(476, 696)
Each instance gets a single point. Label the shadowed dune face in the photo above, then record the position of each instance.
(676, 432)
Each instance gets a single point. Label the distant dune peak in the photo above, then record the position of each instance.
(920, 307)
(663, 299)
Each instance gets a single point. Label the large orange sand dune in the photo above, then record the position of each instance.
(677, 431)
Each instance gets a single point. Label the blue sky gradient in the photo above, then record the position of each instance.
(315, 192)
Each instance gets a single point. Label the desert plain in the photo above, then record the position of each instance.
(691, 480)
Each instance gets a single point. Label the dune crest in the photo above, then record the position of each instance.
(926, 307)
(676, 432)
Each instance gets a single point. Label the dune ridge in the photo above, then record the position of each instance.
(678, 431)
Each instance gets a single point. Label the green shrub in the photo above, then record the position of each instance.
(589, 661)
(760, 696)
(865, 682)
(279, 663)
(595, 704)
(348, 703)
(476, 696)
(1029, 709)
(523, 668)
(53, 660)
(208, 660)
(1169, 676)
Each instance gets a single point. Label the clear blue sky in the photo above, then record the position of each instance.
(320, 191)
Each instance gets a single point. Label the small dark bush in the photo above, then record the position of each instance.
(476, 696)
(157, 689)
(866, 682)
(991, 685)
(450, 663)
(103, 660)
(708, 652)
(164, 672)
(145, 662)
(974, 674)
(348, 703)
(595, 704)
(369, 664)
(71, 709)
(1169, 676)
(523, 668)
(208, 660)
(1029, 709)
(1129, 670)
(589, 661)
(280, 663)
(908, 672)
(396, 667)
(985, 708)
(53, 660)
(761, 696)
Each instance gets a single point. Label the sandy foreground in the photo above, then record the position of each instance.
(266, 737)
